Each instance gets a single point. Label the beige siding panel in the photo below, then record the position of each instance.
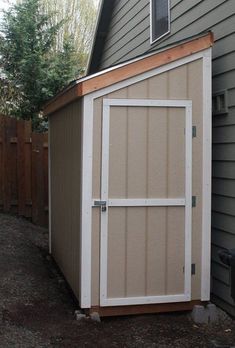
(135, 255)
(138, 90)
(156, 251)
(175, 247)
(118, 152)
(157, 153)
(145, 251)
(158, 86)
(65, 139)
(178, 83)
(144, 142)
(117, 252)
(176, 153)
(136, 152)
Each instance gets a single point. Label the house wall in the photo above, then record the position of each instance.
(185, 82)
(128, 37)
(65, 159)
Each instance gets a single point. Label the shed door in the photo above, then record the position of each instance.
(146, 185)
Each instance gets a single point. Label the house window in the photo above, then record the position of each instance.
(220, 103)
(159, 19)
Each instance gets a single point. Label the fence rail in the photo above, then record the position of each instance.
(23, 170)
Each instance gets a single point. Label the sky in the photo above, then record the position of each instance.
(4, 4)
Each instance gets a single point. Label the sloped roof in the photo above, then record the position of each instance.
(127, 70)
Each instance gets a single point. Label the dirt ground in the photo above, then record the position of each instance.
(37, 309)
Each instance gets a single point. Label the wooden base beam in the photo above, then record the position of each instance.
(144, 309)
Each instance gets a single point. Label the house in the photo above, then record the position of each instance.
(127, 29)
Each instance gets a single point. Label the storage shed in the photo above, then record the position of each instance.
(130, 182)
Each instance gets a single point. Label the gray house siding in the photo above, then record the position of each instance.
(129, 31)
(128, 36)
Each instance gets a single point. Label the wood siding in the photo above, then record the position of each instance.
(181, 83)
(65, 156)
(23, 170)
(129, 36)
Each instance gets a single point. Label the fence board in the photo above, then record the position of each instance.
(21, 167)
(23, 170)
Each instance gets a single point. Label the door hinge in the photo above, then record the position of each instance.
(194, 201)
(193, 269)
(194, 131)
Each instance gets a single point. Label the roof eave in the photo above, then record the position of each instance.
(129, 69)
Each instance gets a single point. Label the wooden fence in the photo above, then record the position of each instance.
(23, 170)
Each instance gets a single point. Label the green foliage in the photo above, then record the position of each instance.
(79, 20)
(29, 64)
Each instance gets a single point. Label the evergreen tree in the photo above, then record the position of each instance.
(28, 61)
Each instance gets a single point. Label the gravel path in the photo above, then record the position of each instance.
(37, 309)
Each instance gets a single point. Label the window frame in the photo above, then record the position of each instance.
(152, 41)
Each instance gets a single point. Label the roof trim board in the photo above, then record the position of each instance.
(127, 70)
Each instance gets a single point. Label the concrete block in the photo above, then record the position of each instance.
(95, 316)
(200, 315)
(80, 317)
(212, 312)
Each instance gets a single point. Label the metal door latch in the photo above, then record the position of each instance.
(102, 204)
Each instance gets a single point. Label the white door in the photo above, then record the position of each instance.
(146, 202)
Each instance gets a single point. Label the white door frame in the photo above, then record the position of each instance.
(183, 201)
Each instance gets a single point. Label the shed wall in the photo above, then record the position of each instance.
(65, 157)
(181, 83)
(189, 17)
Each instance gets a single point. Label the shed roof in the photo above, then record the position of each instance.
(127, 70)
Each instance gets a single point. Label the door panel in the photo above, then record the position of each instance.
(146, 152)
(146, 184)
(145, 251)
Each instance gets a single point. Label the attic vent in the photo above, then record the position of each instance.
(220, 103)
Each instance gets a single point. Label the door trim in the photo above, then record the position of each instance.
(187, 202)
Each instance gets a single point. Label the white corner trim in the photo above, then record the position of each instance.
(86, 209)
(207, 159)
(49, 188)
